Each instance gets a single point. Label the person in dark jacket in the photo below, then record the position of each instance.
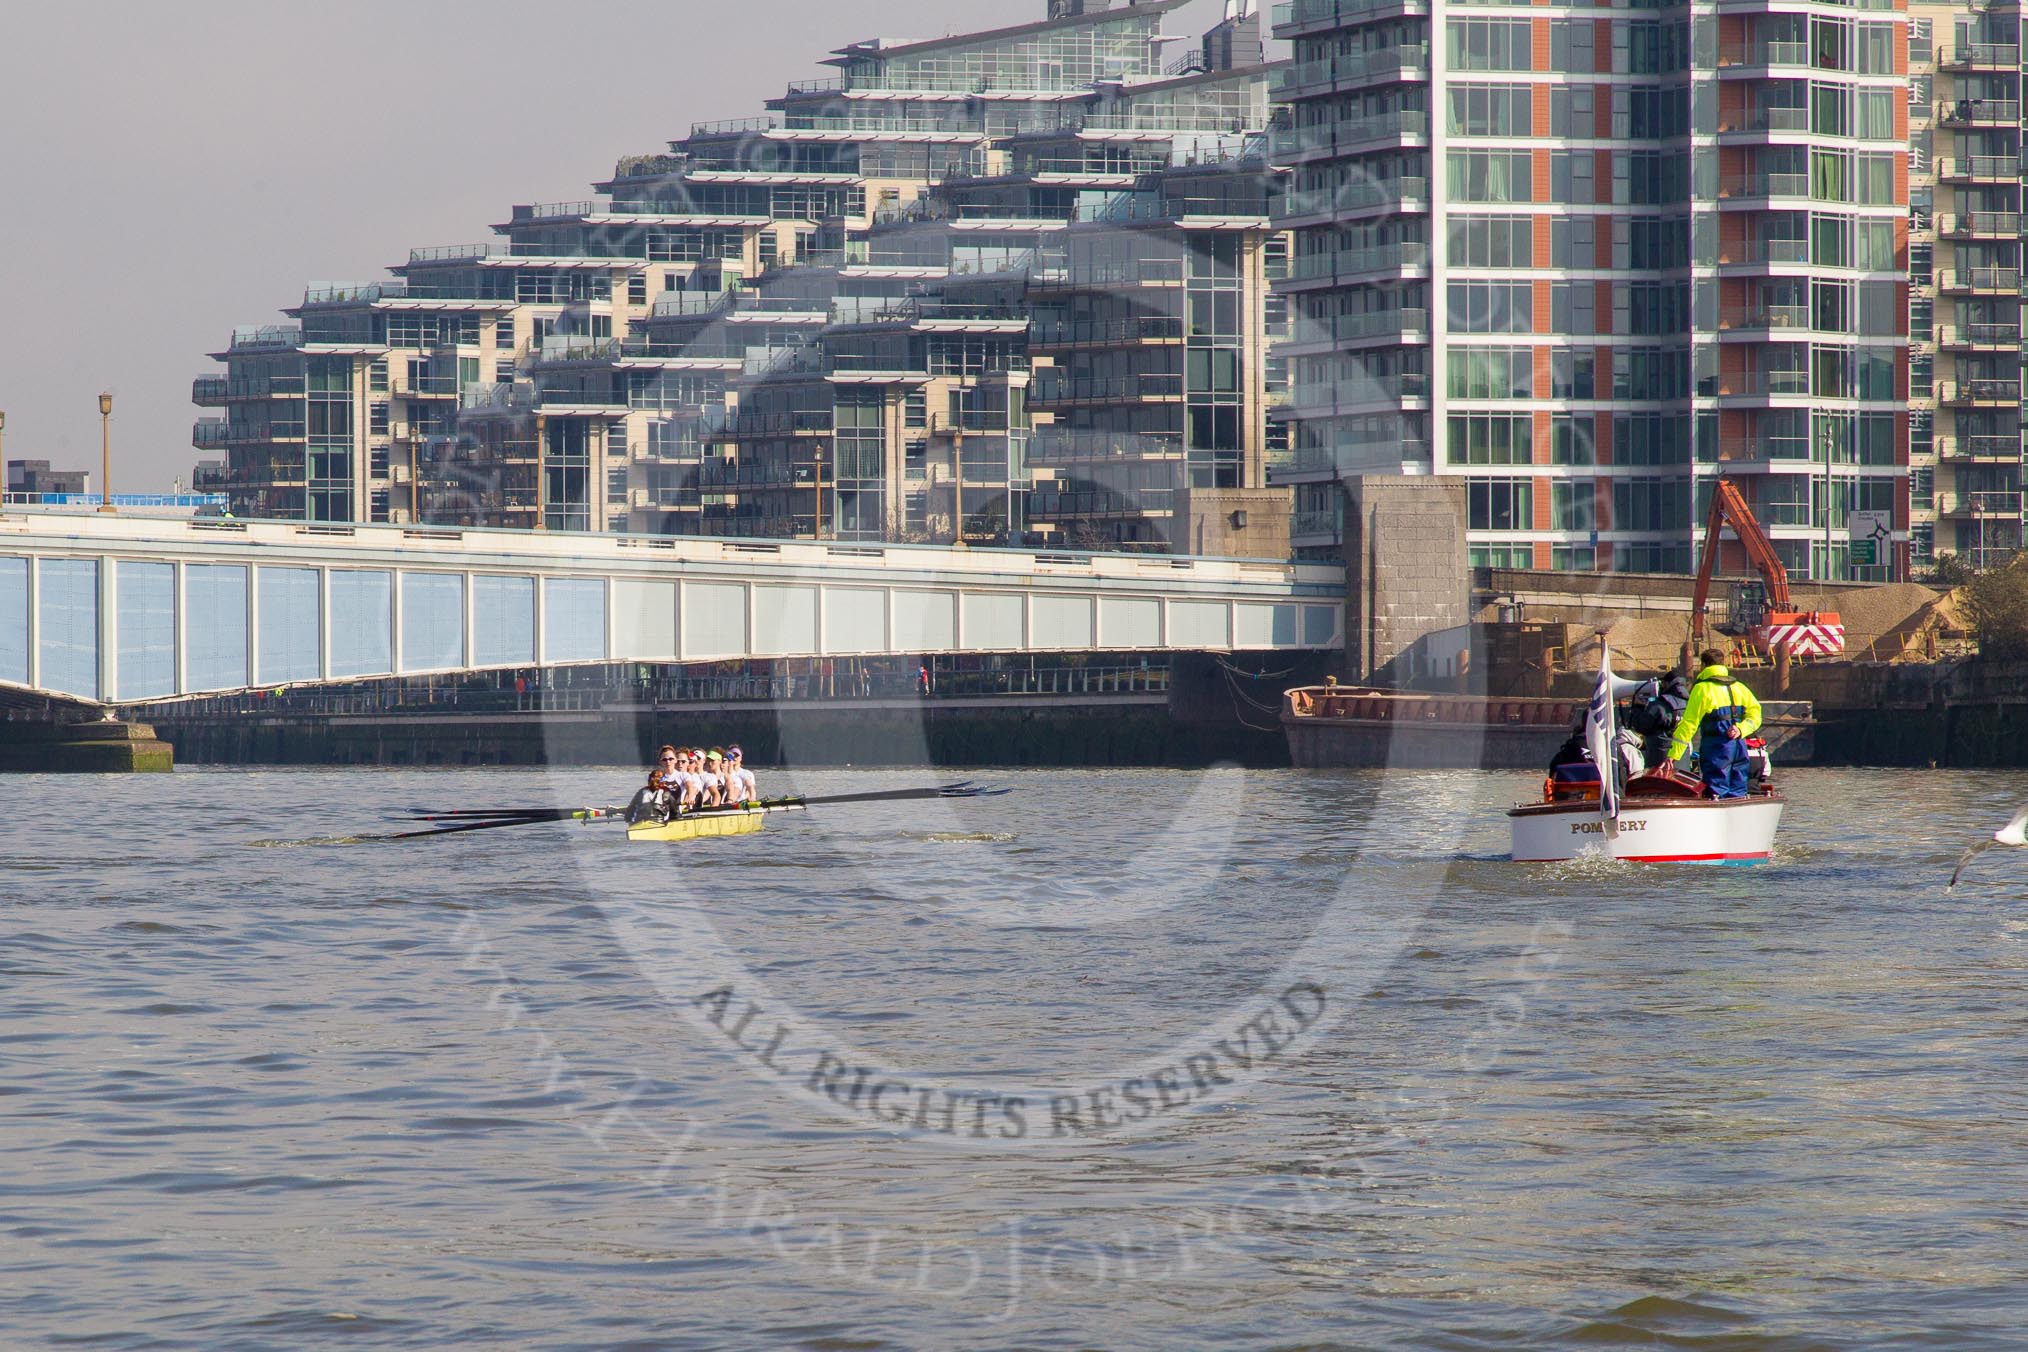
(1654, 712)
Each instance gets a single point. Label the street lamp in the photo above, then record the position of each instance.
(106, 446)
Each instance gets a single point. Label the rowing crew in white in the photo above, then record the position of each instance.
(685, 780)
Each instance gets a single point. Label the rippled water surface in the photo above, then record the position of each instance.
(544, 1088)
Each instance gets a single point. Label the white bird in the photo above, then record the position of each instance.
(2013, 833)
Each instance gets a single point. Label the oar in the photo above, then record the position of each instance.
(466, 820)
(511, 816)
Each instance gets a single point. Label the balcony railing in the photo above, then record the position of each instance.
(1982, 447)
(1329, 138)
(1764, 185)
(1311, 524)
(454, 253)
(1979, 112)
(1056, 445)
(268, 336)
(1979, 504)
(1354, 327)
(2005, 281)
(1387, 63)
(1766, 251)
(1104, 389)
(1351, 197)
(1347, 262)
(1978, 335)
(1979, 167)
(1980, 56)
(1767, 119)
(1980, 224)
(1109, 332)
(555, 211)
(208, 390)
(360, 293)
(1764, 383)
(1978, 392)
(1765, 54)
(1308, 12)
(1765, 317)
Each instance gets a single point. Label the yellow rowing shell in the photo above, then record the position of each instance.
(701, 826)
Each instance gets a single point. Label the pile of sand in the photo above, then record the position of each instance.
(1882, 624)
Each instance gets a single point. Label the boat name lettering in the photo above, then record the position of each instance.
(1594, 828)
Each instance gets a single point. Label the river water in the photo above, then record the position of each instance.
(1119, 1059)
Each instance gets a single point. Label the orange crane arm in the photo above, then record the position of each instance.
(1728, 507)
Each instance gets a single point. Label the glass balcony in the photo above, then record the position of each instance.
(1978, 335)
(1980, 225)
(1997, 281)
(1979, 56)
(1406, 62)
(1967, 392)
(1979, 168)
(1347, 198)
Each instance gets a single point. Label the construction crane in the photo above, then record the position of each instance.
(1784, 632)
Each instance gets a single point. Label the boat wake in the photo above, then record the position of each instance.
(966, 837)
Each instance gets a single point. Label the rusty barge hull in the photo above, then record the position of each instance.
(1341, 728)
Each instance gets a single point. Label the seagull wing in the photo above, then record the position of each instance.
(1978, 848)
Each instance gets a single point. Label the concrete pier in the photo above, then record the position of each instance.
(43, 748)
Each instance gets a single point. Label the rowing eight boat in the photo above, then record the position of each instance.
(701, 825)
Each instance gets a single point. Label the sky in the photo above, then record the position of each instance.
(170, 171)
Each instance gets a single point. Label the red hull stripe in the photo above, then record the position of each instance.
(1669, 859)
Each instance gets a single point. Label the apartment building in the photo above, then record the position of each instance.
(824, 321)
(1965, 451)
(1588, 257)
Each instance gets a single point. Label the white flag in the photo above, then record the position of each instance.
(1599, 723)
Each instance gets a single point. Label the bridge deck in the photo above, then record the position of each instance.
(119, 609)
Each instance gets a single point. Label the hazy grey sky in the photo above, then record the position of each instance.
(170, 170)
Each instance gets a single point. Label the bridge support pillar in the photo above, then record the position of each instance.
(83, 748)
(1407, 571)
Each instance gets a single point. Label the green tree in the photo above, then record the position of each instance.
(1949, 572)
(1996, 602)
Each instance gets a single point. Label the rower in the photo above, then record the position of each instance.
(686, 782)
(664, 785)
(740, 784)
(714, 777)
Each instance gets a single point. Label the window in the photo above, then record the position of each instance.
(1573, 307)
(1491, 44)
(1573, 242)
(1831, 240)
(1492, 307)
(1492, 372)
(1491, 176)
(1571, 373)
(1650, 439)
(1572, 112)
(1501, 504)
(1492, 439)
(1573, 505)
(1570, 46)
(1491, 241)
(1874, 115)
(1651, 373)
(1570, 439)
(1571, 181)
(1651, 504)
(1492, 110)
